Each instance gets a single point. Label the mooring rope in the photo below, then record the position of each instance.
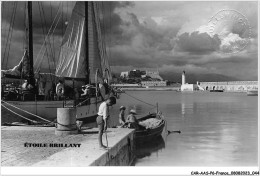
(27, 112)
(139, 99)
(17, 114)
(82, 102)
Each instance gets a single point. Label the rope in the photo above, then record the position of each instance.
(48, 33)
(40, 62)
(139, 100)
(52, 52)
(17, 113)
(27, 112)
(42, 17)
(11, 34)
(24, 26)
(9, 38)
(47, 42)
(82, 102)
(68, 126)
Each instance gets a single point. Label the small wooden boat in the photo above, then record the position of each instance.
(144, 135)
(252, 93)
(216, 90)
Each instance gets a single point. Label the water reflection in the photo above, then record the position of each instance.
(218, 129)
(146, 149)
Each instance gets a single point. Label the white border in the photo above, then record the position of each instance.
(151, 170)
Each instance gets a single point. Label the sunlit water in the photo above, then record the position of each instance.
(217, 129)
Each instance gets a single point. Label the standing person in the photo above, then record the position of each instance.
(103, 115)
(26, 85)
(60, 90)
(84, 90)
(122, 115)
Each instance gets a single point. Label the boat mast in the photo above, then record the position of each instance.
(87, 43)
(29, 34)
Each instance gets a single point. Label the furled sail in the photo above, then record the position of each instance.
(73, 61)
(21, 70)
(106, 71)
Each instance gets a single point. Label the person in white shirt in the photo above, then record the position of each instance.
(103, 115)
(25, 84)
(85, 90)
(60, 90)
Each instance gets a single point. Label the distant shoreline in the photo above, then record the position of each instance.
(176, 89)
(152, 89)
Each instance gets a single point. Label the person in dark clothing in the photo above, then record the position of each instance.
(122, 115)
(131, 120)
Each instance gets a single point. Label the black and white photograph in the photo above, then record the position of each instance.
(155, 87)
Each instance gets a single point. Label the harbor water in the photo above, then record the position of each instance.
(217, 129)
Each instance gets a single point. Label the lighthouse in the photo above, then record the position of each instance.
(188, 87)
(183, 78)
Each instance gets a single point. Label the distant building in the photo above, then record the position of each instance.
(126, 85)
(154, 75)
(124, 74)
(189, 87)
(135, 74)
(153, 83)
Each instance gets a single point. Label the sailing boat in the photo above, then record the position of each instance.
(82, 60)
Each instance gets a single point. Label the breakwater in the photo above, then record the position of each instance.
(230, 86)
(151, 89)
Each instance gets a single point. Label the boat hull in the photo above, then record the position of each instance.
(48, 110)
(216, 90)
(252, 93)
(145, 135)
(44, 109)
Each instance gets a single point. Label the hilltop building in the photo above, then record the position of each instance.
(124, 74)
(145, 78)
(154, 75)
(141, 74)
(153, 83)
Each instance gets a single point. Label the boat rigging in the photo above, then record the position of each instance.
(82, 59)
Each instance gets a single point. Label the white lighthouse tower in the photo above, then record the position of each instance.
(185, 86)
(183, 81)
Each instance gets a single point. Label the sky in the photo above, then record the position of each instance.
(165, 35)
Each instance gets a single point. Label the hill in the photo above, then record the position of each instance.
(193, 78)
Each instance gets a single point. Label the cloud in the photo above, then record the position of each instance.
(232, 43)
(154, 34)
(197, 43)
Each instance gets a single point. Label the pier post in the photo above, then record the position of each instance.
(66, 122)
